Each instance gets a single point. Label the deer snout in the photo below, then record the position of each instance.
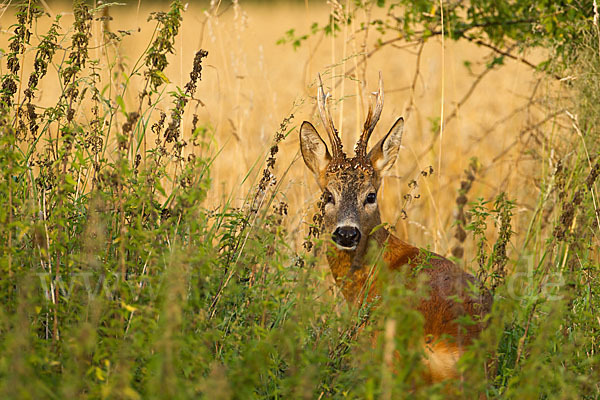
(346, 237)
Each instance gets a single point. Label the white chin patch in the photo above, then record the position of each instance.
(345, 248)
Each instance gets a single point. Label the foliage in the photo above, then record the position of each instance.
(119, 282)
(499, 25)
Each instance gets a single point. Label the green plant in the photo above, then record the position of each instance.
(119, 279)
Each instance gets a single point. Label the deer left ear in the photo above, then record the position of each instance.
(384, 154)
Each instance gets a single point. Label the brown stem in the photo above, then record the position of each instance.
(10, 217)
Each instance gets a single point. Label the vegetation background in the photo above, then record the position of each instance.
(160, 237)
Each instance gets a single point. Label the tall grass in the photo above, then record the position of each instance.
(120, 280)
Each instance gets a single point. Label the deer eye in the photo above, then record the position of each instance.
(371, 198)
(327, 197)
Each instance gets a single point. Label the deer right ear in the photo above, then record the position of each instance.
(384, 154)
(314, 150)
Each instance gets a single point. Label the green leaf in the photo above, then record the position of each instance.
(100, 374)
(121, 104)
(162, 76)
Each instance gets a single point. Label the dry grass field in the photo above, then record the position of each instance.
(250, 84)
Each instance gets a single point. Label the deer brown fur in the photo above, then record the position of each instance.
(351, 216)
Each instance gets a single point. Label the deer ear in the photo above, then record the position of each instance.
(384, 154)
(314, 150)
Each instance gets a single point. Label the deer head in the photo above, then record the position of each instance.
(350, 185)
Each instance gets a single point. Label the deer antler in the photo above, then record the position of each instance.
(372, 118)
(336, 143)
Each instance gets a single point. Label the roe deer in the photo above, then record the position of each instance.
(351, 213)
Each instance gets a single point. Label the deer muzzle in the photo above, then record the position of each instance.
(346, 237)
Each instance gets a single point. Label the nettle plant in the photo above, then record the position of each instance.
(85, 197)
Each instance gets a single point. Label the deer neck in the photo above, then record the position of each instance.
(354, 271)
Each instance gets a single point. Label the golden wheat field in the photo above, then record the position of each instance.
(250, 84)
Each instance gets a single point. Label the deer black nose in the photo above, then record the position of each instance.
(346, 236)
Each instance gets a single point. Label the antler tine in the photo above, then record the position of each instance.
(372, 118)
(334, 139)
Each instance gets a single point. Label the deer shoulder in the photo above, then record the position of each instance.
(452, 291)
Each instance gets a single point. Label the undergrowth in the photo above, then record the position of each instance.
(118, 281)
